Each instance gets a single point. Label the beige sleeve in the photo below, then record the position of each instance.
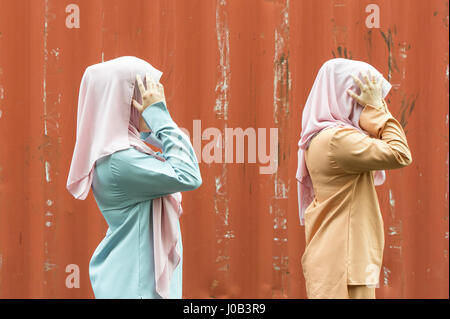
(385, 148)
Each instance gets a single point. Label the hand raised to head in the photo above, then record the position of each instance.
(371, 90)
(150, 95)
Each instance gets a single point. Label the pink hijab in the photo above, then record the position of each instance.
(329, 105)
(107, 123)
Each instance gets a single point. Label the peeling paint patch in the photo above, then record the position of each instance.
(342, 53)
(225, 215)
(391, 199)
(407, 107)
(282, 84)
(388, 39)
(386, 273)
(392, 231)
(279, 262)
(47, 171)
(55, 52)
(403, 50)
(340, 35)
(229, 234)
(280, 223)
(223, 43)
(395, 230)
(282, 81)
(49, 266)
(222, 258)
(44, 83)
(223, 232)
(58, 102)
(218, 185)
(399, 248)
(281, 190)
(49, 202)
(225, 267)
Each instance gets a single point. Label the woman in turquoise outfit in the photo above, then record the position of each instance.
(127, 181)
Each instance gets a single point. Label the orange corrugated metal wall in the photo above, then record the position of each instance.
(228, 63)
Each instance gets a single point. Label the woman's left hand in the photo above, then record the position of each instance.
(154, 93)
(371, 91)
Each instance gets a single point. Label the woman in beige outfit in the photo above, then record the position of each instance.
(352, 141)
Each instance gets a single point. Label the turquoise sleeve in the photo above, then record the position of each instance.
(142, 177)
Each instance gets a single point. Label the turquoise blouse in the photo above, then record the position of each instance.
(124, 184)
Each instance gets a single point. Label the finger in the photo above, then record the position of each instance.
(372, 77)
(147, 79)
(152, 85)
(140, 84)
(354, 96)
(357, 81)
(137, 105)
(366, 78)
(380, 81)
(160, 88)
(376, 81)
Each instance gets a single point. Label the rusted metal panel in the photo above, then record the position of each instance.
(227, 64)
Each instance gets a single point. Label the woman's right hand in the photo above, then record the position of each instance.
(154, 93)
(371, 91)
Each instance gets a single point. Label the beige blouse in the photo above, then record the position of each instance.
(343, 225)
